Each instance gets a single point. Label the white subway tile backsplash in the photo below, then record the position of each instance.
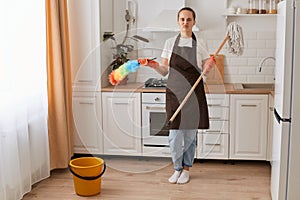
(213, 35)
(271, 44)
(142, 77)
(266, 35)
(249, 53)
(246, 70)
(238, 61)
(256, 44)
(265, 52)
(213, 44)
(235, 79)
(248, 35)
(265, 70)
(255, 79)
(254, 61)
(237, 69)
(230, 70)
(269, 79)
(269, 62)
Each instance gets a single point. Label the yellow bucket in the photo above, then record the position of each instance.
(87, 172)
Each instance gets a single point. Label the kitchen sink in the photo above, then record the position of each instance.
(263, 86)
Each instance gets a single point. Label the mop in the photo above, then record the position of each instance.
(234, 39)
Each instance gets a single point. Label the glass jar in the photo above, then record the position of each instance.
(252, 7)
(272, 7)
(262, 9)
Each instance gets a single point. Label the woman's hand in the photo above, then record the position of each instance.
(209, 64)
(148, 62)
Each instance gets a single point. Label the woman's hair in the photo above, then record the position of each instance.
(189, 9)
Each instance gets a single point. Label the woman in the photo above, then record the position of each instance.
(183, 57)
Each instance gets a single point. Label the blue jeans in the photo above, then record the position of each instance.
(182, 145)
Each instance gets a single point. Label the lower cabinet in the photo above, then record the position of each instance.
(87, 127)
(212, 146)
(238, 127)
(213, 142)
(122, 123)
(248, 127)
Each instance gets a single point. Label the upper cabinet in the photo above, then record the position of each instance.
(84, 30)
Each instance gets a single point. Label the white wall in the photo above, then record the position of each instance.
(259, 38)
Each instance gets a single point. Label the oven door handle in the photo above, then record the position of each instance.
(155, 108)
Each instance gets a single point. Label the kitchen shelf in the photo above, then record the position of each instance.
(249, 15)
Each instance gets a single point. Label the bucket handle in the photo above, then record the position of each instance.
(88, 178)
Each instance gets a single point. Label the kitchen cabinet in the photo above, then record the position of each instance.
(84, 29)
(248, 126)
(84, 32)
(122, 123)
(86, 114)
(213, 143)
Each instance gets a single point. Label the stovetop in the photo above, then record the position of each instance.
(154, 82)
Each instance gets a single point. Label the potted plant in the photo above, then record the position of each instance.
(120, 57)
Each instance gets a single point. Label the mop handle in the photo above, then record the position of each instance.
(222, 44)
(195, 84)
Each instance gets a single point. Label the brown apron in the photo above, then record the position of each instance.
(183, 73)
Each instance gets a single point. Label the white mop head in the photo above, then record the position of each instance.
(235, 41)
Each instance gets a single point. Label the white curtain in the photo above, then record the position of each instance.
(24, 148)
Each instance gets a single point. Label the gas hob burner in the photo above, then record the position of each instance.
(154, 82)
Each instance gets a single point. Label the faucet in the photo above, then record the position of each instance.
(263, 61)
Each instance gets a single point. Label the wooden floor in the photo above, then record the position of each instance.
(138, 179)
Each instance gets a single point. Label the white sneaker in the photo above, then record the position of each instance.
(184, 177)
(174, 177)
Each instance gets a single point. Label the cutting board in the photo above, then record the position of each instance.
(216, 74)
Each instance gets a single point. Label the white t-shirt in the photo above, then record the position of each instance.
(202, 52)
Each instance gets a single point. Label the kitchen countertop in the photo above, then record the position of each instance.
(227, 88)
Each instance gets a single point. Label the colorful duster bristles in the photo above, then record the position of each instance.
(119, 74)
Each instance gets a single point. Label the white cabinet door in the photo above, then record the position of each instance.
(84, 29)
(212, 146)
(248, 127)
(87, 118)
(122, 123)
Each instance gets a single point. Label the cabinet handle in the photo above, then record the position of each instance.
(85, 81)
(245, 105)
(214, 117)
(155, 108)
(214, 104)
(119, 103)
(89, 103)
(213, 131)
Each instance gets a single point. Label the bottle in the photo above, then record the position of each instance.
(252, 7)
(262, 7)
(272, 7)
